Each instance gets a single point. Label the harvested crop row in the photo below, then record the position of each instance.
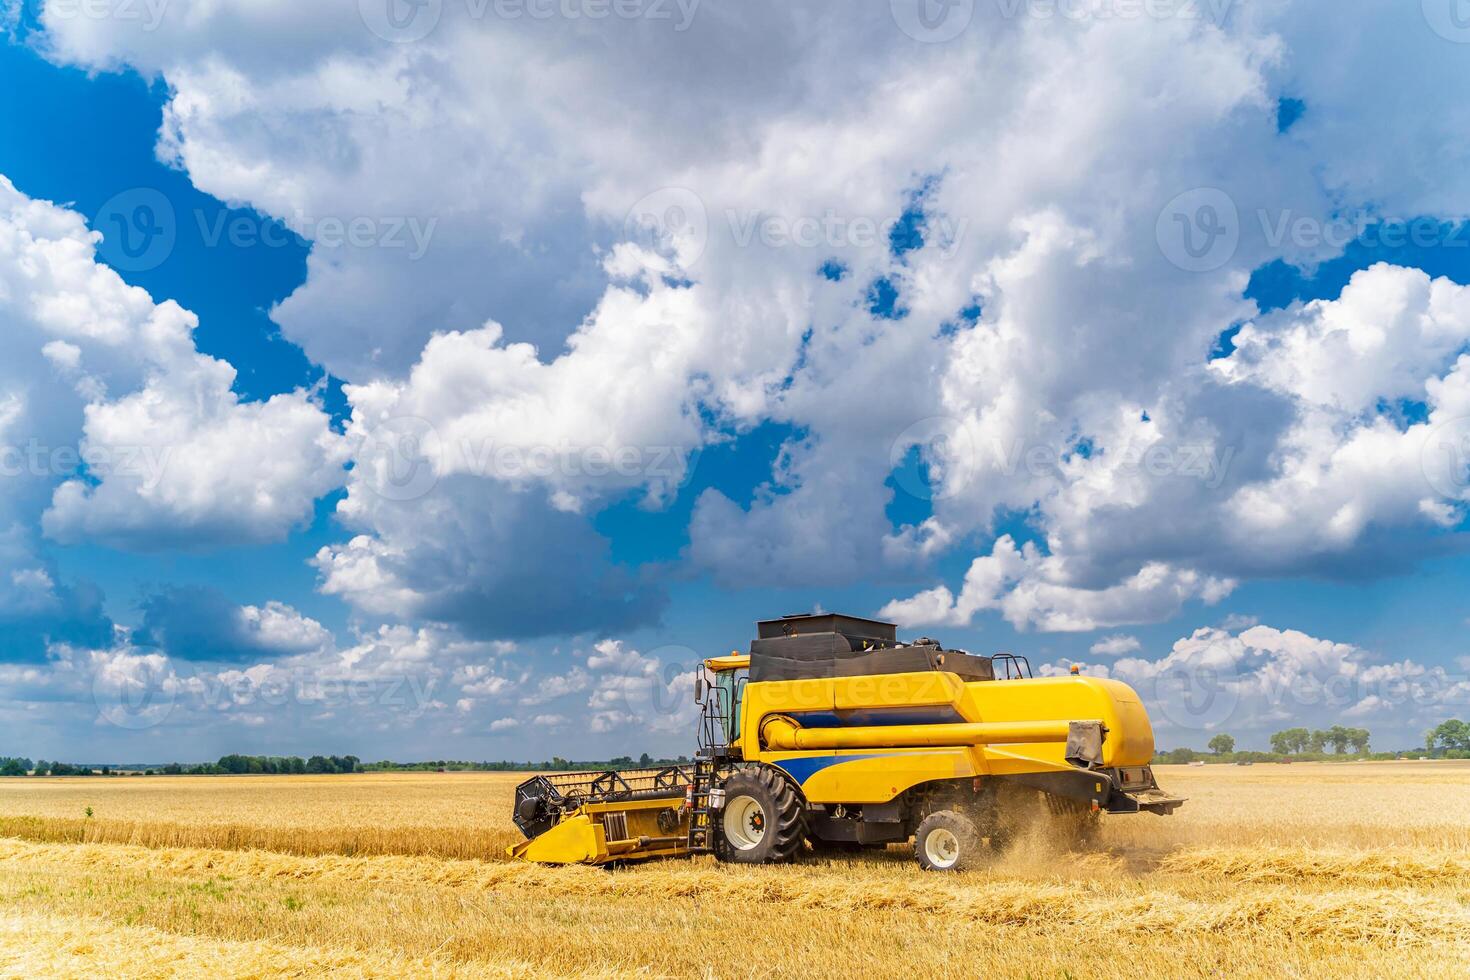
(451, 842)
(1402, 917)
(1381, 867)
(52, 946)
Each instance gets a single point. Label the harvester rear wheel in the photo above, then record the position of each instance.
(948, 841)
(762, 821)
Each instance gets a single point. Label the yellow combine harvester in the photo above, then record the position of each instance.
(832, 735)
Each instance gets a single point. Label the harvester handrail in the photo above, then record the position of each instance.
(611, 785)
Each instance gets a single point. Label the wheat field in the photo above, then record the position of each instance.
(1354, 869)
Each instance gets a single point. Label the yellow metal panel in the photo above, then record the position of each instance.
(580, 838)
(734, 661)
(875, 776)
(576, 840)
(1056, 700)
(1130, 738)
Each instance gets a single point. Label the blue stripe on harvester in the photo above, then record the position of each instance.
(804, 768)
(939, 714)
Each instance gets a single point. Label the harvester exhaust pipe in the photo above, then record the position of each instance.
(781, 733)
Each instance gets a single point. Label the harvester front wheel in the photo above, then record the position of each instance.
(948, 841)
(762, 821)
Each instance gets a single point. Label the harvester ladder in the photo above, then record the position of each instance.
(701, 825)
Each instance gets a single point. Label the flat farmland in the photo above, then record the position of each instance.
(1352, 869)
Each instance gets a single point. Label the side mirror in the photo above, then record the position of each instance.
(699, 688)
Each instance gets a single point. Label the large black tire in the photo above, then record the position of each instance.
(762, 821)
(948, 841)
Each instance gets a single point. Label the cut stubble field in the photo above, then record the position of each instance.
(1352, 869)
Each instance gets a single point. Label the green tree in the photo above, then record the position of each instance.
(1452, 734)
(1358, 738)
(14, 767)
(1457, 735)
(1282, 743)
(1316, 740)
(1221, 744)
(42, 767)
(1337, 737)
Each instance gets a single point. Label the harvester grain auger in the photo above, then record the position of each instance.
(831, 734)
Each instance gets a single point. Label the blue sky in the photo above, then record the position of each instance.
(794, 409)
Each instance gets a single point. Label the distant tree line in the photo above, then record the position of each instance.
(287, 765)
(554, 764)
(19, 767)
(1450, 739)
(235, 764)
(1291, 744)
(227, 765)
(1447, 739)
(1294, 741)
